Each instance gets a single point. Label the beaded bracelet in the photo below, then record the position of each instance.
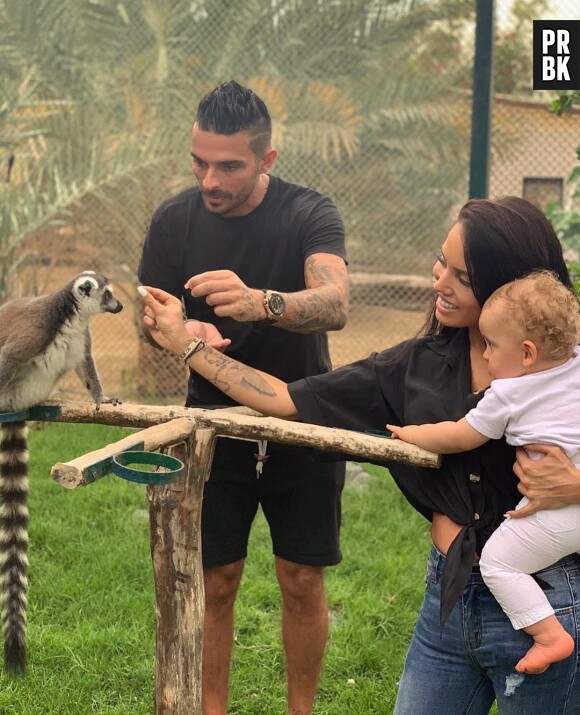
(194, 346)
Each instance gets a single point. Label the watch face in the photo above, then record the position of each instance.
(276, 303)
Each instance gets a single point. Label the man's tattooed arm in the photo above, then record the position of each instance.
(324, 303)
(253, 388)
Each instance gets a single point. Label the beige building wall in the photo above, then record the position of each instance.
(533, 151)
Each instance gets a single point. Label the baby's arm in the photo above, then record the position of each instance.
(441, 437)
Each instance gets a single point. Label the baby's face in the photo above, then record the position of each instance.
(504, 350)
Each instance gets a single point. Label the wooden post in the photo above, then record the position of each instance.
(175, 520)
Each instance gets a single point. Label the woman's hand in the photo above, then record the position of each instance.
(163, 317)
(549, 483)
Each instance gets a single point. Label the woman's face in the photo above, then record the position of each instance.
(456, 305)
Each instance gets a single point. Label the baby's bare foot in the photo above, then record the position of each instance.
(542, 655)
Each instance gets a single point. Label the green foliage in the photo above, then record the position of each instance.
(512, 53)
(567, 222)
(91, 614)
(574, 268)
(565, 102)
(96, 100)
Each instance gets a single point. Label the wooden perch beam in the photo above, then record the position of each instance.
(359, 445)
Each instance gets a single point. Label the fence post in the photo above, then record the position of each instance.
(175, 519)
(482, 100)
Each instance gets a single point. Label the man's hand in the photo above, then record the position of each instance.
(228, 295)
(549, 483)
(210, 335)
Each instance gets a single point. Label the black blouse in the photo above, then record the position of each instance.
(423, 380)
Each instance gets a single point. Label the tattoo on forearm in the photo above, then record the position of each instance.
(230, 373)
(324, 305)
(257, 384)
(318, 311)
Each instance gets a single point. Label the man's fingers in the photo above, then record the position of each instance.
(201, 281)
(208, 275)
(211, 288)
(220, 298)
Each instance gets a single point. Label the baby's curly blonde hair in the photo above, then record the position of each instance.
(544, 310)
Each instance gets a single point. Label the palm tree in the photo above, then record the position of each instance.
(97, 97)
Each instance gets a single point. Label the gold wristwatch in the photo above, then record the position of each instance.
(274, 304)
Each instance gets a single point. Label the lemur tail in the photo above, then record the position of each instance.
(14, 542)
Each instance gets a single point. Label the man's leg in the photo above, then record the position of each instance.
(221, 587)
(304, 631)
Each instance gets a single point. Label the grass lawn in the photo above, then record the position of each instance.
(91, 612)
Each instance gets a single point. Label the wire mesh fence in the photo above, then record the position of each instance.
(371, 104)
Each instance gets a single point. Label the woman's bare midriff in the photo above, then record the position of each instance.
(443, 531)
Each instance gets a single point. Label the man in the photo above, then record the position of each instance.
(263, 262)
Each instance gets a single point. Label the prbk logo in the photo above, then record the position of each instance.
(556, 54)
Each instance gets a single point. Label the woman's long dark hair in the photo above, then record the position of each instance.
(505, 239)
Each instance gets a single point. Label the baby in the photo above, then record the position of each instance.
(530, 328)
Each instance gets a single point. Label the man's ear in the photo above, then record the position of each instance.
(268, 160)
(529, 353)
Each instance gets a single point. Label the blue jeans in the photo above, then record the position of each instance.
(462, 670)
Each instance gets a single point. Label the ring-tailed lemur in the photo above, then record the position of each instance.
(41, 339)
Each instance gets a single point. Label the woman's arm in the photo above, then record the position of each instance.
(253, 388)
(549, 483)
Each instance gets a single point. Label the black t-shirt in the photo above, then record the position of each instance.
(266, 249)
(423, 380)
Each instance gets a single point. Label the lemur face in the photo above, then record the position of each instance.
(95, 295)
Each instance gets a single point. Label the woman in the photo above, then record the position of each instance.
(464, 650)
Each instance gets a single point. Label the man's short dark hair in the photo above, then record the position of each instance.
(231, 108)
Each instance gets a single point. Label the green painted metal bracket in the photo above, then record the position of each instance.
(105, 466)
(44, 413)
(39, 413)
(14, 416)
(379, 433)
(118, 464)
(120, 467)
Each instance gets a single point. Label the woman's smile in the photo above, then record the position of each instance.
(445, 304)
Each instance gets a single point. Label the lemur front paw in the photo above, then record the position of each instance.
(107, 400)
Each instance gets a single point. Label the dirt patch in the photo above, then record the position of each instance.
(372, 329)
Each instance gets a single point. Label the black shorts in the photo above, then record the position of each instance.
(300, 498)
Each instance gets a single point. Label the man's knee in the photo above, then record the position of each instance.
(300, 584)
(221, 584)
